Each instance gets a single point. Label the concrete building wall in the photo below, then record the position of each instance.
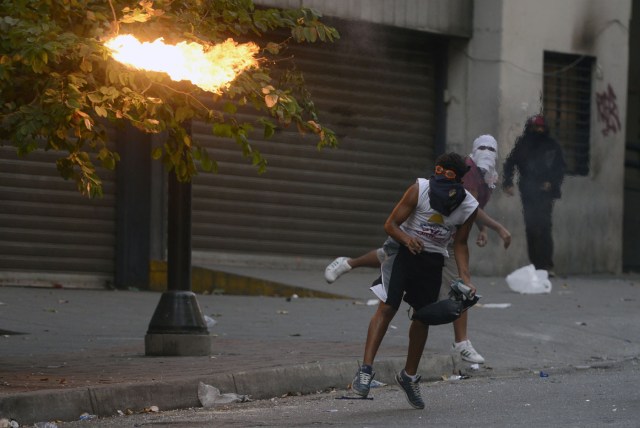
(495, 81)
(505, 81)
(451, 17)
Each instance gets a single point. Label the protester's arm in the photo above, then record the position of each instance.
(485, 220)
(557, 171)
(461, 250)
(508, 171)
(400, 213)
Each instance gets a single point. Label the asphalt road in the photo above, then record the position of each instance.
(570, 398)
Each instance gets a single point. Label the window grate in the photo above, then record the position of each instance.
(567, 106)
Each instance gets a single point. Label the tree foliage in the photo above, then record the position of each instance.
(60, 88)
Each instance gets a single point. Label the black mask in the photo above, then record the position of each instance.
(445, 195)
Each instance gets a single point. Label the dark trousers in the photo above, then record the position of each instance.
(537, 210)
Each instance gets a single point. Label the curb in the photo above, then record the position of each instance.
(105, 401)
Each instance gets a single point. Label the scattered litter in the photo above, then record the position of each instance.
(475, 366)
(583, 367)
(529, 280)
(293, 296)
(372, 302)
(376, 384)
(543, 374)
(393, 327)
(581, 323)
(46, 425)
(152, 409)
(282, 312)
(210, 321)
(456, 377)
(494, 305)
(209, 396)
(332, 411)
(353, 397)
(6, 423)
(87, 417)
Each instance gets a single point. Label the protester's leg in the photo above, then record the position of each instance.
(342, 265)
(461, 345)
(537, 217)
(408, 379)
(418, 333)
(369, 259)
(546, 238)
(531, 212)
(460, 327)
(377, 329)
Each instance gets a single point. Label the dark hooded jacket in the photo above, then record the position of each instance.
(538, 158)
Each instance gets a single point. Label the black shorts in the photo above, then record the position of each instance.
(415, 278)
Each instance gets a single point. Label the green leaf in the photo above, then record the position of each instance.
(100, 111)
(222, 130)
(183, 113)
(230, 108)
(58, 81)
(156, 153)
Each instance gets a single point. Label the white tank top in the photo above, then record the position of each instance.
(432, 228)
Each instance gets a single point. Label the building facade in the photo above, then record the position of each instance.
(406, 81)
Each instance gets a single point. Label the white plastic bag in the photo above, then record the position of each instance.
(209, 396)
(528, 280)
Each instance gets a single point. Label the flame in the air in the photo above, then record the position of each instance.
(209, 68)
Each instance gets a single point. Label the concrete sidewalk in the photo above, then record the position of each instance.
(66, 352)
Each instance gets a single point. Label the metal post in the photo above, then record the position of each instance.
(177, 326)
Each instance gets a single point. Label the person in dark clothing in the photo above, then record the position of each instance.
(541, 168)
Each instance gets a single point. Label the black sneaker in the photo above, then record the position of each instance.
(411, 389)
(362, 382)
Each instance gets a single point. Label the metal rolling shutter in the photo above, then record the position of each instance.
(376, 89)
(49, 232)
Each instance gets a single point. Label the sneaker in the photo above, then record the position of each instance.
(467, 352)
(411, 389)
(362, 382)
(336, 268)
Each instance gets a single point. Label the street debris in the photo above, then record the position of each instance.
(376, 384)
(210, 396)
(459, 376)
(529, 280)
(210, 321)
(45, 425)
(6, 423)
(353, 396)
(494, 305)
(87, 417)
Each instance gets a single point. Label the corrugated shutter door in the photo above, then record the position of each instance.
(48, 229)
(378, 94)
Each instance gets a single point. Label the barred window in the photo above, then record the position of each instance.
(567, 106)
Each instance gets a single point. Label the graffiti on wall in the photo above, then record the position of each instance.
(608, 111)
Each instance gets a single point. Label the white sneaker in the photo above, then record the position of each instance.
(467, 352)
(336, 268)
